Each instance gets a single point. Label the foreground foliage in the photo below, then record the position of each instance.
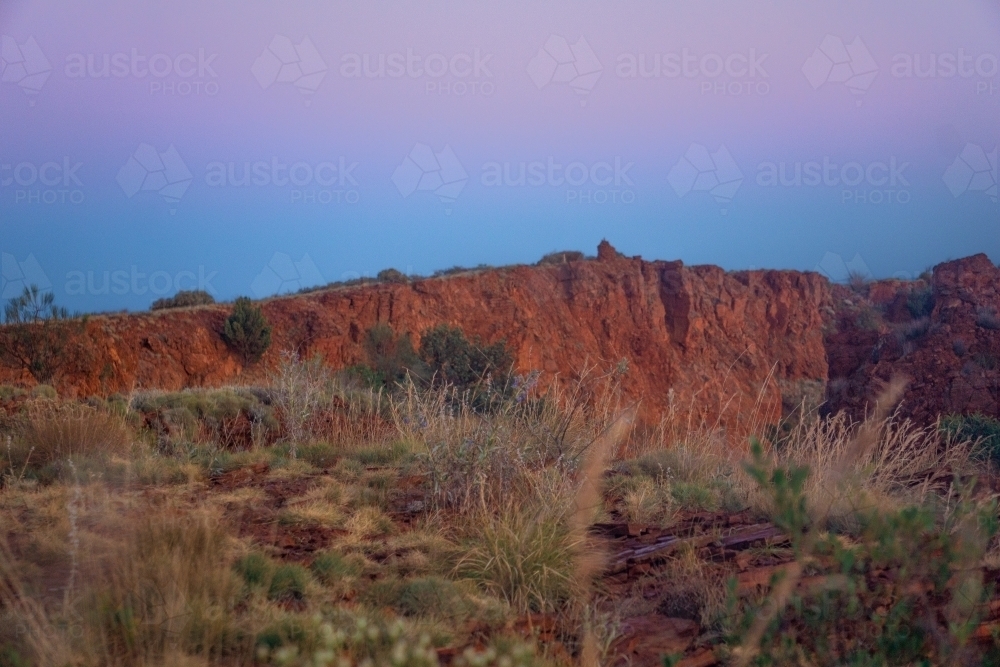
(313, 522)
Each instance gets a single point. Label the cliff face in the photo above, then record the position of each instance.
(700, 341)
(701, 344)
(948, 346)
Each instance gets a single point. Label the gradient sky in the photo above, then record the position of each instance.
(541, 94)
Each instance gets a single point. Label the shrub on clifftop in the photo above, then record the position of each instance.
(247, 332)
(37, 334)
(183, 299)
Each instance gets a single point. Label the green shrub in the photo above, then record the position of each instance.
(255, 568)
(392, 276)
(319, 454)
(561, 257)
(184, 299)
(288, 582)
(330, 567)
(440, 273)
(975, 427)
(390, 356)
(8, 392)
(524, 557)
(920, 302)
(869, 318)
(432, 597)
(987, 318)
(907, 590)
(37, 336)
(247, 332)
(382, 455)
(44, 391)
(455, 360)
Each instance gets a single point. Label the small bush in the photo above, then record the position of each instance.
(54, 433)
(319, 454)
(561, 257)
(44, 391)
(390, 356)
(985, 360)
(184, 299)
(254, 568)
(431, 597)
(392, 276)
(920, 302)
(247, 332)
(975, 428)
(7, 392)
(288, 582)
(523, 557)
(330, 567)
(37, 335)
(857, 280)
(987, 318)
(455, 270)
(869, 318)
(455, 360)
(908, 590)
(169, 590)
(914, 329)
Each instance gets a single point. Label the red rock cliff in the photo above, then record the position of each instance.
(720, 346)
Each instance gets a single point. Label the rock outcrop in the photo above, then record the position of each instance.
(734, 349)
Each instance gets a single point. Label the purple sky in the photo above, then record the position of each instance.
(781, 134)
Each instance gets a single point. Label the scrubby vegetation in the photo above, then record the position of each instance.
(561, 257)
(246, 331)
(318, 520)
(979, 429)
(38, 335)
(184, 299)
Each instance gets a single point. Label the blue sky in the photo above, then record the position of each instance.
(122, 183)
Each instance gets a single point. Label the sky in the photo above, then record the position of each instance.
(255, 148)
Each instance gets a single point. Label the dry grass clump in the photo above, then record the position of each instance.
(523, 556)
(55, 431)
(168, 590)
(898, 463)
(475, 458)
